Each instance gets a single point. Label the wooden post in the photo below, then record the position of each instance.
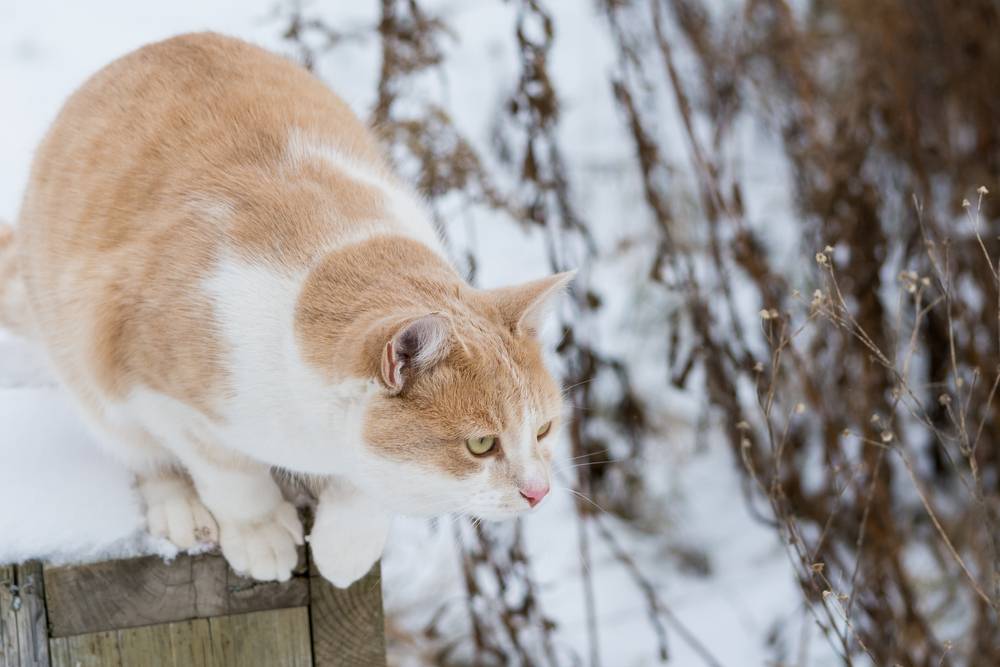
(191, 612)
(348, 627)
(24, 638)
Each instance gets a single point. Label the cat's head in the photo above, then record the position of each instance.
(467, 411)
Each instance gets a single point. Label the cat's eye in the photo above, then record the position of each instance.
(482, 446)
(544, 430)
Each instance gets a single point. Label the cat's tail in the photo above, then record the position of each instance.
(13, 296)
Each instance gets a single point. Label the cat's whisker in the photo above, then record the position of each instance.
(581, 496)
(566, 390)
(588, 454)
(583, 465)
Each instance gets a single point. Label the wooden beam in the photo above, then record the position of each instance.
(348, 626)
(130, 593)
(23, 626)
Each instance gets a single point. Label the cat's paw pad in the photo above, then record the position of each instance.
(345, 551)
(174, 512)
(263, 549)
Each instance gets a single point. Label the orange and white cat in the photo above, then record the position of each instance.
(228, 278)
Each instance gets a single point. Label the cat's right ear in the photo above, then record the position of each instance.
(523, 307)
(416, 346)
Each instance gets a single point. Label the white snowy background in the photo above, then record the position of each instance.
(61, 499)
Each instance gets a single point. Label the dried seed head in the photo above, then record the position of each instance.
(965, 203)
(742, 425)
(886, 436)
(822, 259)
(764, 314)
(944, 399)
(982, 190)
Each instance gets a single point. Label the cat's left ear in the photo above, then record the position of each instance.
(416, 345)
(524, 307)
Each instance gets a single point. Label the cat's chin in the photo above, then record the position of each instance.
(490, 515)
(499, 515)
(484, 515)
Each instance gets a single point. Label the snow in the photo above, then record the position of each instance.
(62, 499)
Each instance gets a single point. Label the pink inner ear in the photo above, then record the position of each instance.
(390, 367)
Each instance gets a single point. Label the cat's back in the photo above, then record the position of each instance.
(193, 118)
(166, 165)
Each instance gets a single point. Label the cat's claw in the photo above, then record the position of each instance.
(174, 512)
(263, 549)
(345, 547)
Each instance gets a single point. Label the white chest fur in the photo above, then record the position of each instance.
(278, 410)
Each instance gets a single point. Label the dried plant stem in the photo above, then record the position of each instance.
(656, 606)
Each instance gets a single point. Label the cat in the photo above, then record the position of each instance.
(229, 279)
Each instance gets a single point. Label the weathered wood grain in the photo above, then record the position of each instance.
(194, 639)
(264, 638)
(23, 627)
(10, 652)
(99, 649)
(131, 593)
(152, 646)
(348, 627)
(257, 639)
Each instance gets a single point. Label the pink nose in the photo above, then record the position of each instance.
(534, 494)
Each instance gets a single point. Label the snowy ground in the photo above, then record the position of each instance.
(60, 498)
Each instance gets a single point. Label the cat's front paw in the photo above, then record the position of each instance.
(174, 512)
(345, 546)
(263, 549)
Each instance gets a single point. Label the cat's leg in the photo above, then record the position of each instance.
(173, 509)
(258, 528)
(349, 533)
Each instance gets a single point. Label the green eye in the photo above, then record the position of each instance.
(544, 430)
(481, 446)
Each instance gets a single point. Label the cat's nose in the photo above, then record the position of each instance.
(534, 494)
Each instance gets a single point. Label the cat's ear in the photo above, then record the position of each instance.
(524, 307)
(416, 345)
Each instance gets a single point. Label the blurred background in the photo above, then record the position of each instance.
(781, 355)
